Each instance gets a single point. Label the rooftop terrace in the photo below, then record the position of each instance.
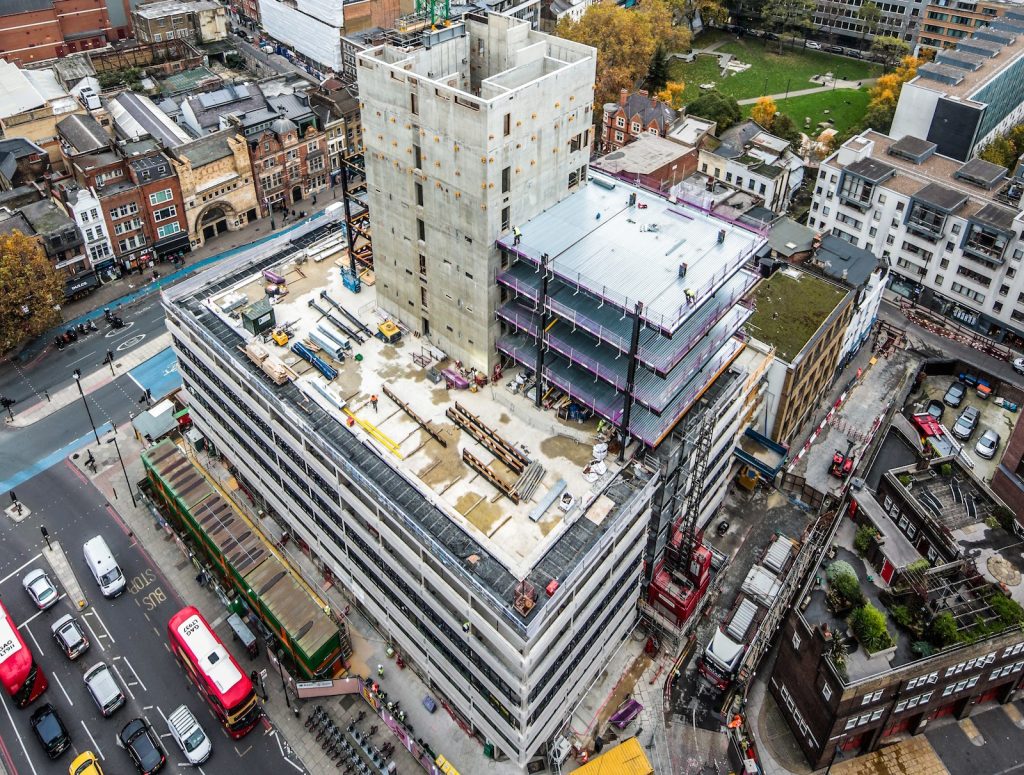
(408, 450)
(790, 307)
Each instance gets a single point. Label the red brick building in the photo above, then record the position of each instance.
(287, 167)
(1008, 478)
(34, 30)
(633, 115)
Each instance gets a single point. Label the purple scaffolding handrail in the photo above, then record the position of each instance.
(518, 286)
(579, 319)
(585, 361)
(650, 398)
(613, 415)
(523, 321)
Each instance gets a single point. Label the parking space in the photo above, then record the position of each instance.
(991, 416)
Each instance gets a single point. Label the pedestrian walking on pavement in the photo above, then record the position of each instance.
(373, 402)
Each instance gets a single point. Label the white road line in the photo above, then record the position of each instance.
(136, 674)
(201, 770)
(38, 613)
(103, 625)
(95, 637)
(161, 714)
(124, 683)
(55, 678)
(39, 649)
(21, 741)
(99, 751)
(20, 568)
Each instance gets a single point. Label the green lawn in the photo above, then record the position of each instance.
(845, 108)
(769, 73)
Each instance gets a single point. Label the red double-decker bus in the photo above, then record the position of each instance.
(226, 687)
(23, 679)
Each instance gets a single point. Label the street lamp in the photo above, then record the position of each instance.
(78, 381)
(127, 481)
(280, 671)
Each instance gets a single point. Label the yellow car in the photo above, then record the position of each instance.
(85, 764)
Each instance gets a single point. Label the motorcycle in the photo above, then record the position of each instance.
(116, 322)
(72, 335)
(59, 342)
(92, 326)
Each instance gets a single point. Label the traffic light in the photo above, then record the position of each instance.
(6, 402)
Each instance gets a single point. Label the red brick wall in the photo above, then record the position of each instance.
(44, 34)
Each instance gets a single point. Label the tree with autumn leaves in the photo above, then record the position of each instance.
(886, 93)
(30, 290)
(626, 41)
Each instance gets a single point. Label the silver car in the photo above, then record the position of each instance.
(69, 636)
(40, 589)
(987, 444)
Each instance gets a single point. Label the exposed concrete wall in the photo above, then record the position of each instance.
(430, 136)
(914, 111)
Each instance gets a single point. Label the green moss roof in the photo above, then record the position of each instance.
(789, 310)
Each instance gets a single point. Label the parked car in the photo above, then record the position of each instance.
(40, 589)
(770, 36)
(69, 636)
(836, 49)
(142, 745)
(85, 764)
(936, 409)
(812, 44)
(955, 394)
(987, 444)
(50, 730)
(966, 423)
(1018, 365)
(189, 736)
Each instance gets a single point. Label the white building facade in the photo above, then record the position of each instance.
(87, 211)
(311, 27)
(949, 232)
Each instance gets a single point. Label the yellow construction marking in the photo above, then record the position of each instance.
(550, 325)
(373, 431)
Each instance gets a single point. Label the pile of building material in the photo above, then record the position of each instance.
(271, 365)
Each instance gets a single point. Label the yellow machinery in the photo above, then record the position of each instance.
(389, 332)
(279, 337)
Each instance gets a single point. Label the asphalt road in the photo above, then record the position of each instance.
(45, 368)
(126, 633)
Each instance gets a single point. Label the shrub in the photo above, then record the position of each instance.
(870, 626)
(919, 565)
(943, 631)
(845, 583)
(1008, 610)
(903, 479)
(1004, 517)
(901, 615)
(840, 568)
(946, 469)
(865, 535)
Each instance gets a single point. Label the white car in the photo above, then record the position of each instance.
(40, 589)
(988, 444)
(1018, 365)
(812, 44)
(189, 736)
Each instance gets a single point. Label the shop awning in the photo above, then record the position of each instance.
(80, 284)
(172, 244)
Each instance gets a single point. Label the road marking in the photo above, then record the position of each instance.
(117, 518)
(96, 745)
(241, 753)
(87, 355)
(95, 637)
(20, 568)
(136, 674)
(124, 683)
(53, 675)
(38, 613)
(103, 625)
(21, 741)
(49, 460)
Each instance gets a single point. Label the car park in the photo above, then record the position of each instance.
(85, 764)
(966, 423)
(955, 394)
(988, 444)
(189, 735)
(103, 688)
(50, 730)
(69, 636)
(142, 746)
(40, 589)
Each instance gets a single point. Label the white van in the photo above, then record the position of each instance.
(103, 567)
(189, 736)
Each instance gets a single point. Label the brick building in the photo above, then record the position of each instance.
(633, 115)
(918, 569)
(947, 21)
(35, 30)
(138, 190)
(1008, 478)
(198, 21)
(286, 166)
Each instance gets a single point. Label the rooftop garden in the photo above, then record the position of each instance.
(789, 310)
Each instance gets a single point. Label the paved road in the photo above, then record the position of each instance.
(52, 368)
(996, 750)
(127, 633)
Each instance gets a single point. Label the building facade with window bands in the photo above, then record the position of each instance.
(833, 694)
(947, 21)
(949, 231)
(468, 133)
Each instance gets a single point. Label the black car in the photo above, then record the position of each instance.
(50, 731)
(143, 746)
(936, 409)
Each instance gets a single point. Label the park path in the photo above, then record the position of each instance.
(813, 90)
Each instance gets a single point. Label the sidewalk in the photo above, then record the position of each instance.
(839, 84)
